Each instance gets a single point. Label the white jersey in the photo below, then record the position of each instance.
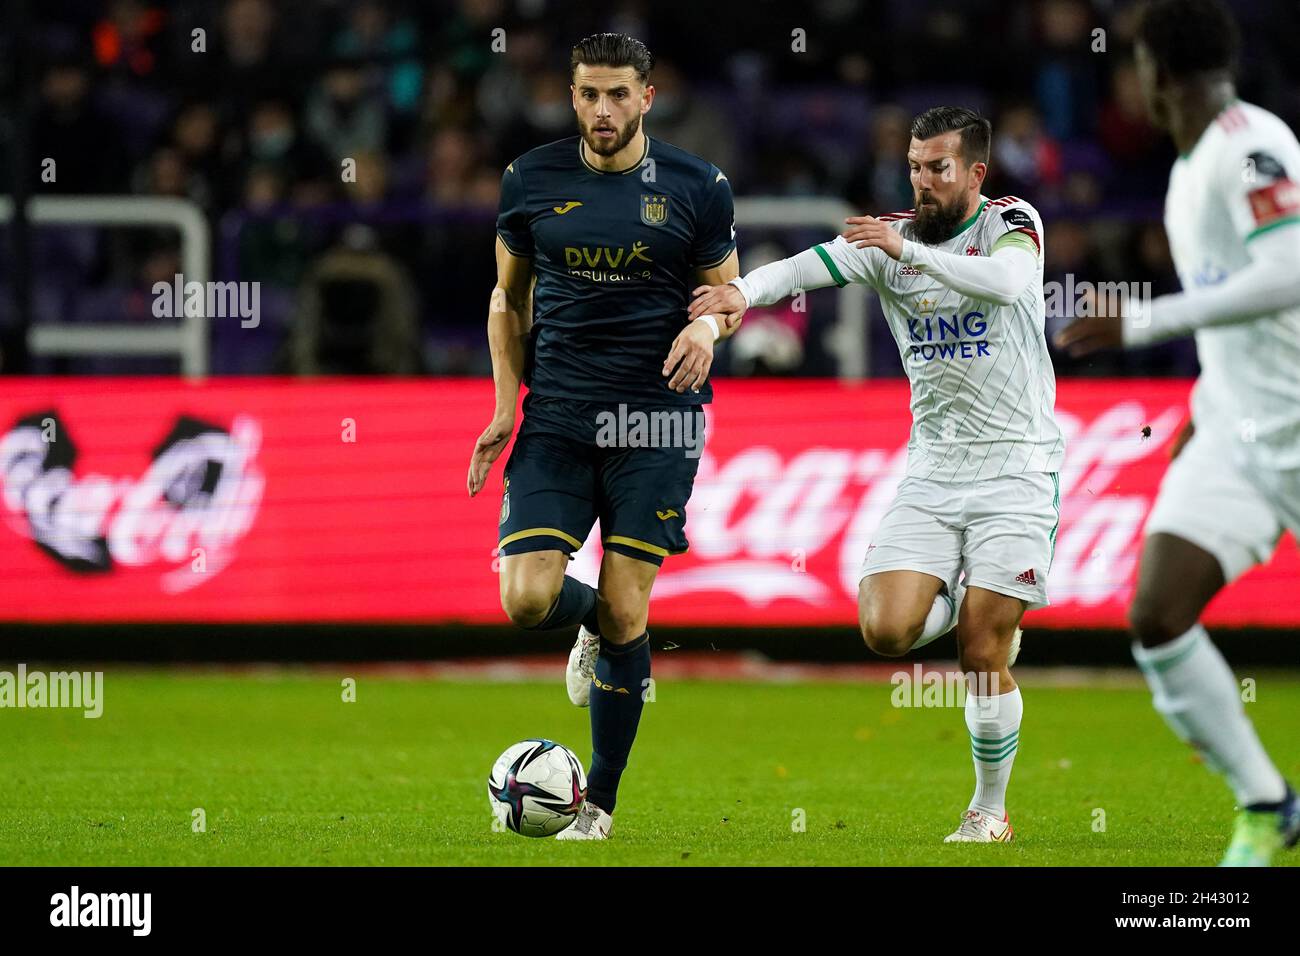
(983, 389)
(1232, 187)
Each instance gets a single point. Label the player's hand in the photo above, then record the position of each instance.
(1098, 329)
(867, 231)
(488, 449)
(722, 301)
(691, 356)
(1183, 438)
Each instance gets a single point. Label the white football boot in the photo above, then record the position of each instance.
(979, 827)
(591, 823)
(1014, 651)
(582, 667)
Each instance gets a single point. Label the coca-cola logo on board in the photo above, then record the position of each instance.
(187, 511)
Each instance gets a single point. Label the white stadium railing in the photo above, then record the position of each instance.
(189, 339)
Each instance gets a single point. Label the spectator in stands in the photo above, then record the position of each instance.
(1065, 80)
(273, 139)
(771, 340)
(356, 313)
(685, 118)
(70, 130)
(1141, 158)
(250, 67)
(345, 114)
(391, 44)
(129, 40)
(881, 182)
(1027, 160)
(455, 175)
(196, 136)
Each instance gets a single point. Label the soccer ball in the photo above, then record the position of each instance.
(536, 787)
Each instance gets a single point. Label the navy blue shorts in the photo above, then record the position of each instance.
(575, 462)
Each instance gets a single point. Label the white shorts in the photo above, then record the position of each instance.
(1000, 531)
(1205, 498)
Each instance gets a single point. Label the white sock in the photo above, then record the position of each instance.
(1194, 690)
(942, 616)
(994, 725)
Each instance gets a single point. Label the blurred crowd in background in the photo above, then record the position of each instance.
(391, 273)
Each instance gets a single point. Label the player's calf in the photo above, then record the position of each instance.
(1176, 580)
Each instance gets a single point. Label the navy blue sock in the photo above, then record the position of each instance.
(575, 605)
(616, 702)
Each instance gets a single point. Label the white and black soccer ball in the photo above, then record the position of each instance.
(537, 787)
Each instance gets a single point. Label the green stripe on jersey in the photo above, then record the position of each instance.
(1272, 225)
(831, 268)
(1010, 239)
(1056, 503)
(971, 221)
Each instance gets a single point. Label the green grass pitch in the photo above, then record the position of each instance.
(288, 773)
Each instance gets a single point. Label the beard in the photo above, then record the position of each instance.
(936, 224)
(608, 147)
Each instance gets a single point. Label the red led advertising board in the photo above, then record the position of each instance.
(344, 500)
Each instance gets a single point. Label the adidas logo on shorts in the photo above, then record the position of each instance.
(1027, 577)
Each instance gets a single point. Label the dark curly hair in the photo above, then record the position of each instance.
(1188, 37)
(612, 49)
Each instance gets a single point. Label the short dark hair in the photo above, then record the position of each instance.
(1187, 37)
(612, 49)
(976, 131)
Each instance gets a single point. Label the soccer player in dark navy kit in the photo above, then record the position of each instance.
(616, 228)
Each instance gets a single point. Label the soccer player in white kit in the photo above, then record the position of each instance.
(1232, 214)
(960, 279)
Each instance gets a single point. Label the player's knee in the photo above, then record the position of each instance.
(1155, 622)
(525, 603)
(982, 652)
(886, 637)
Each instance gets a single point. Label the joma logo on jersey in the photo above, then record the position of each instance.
(943, 338)
(654, 209)
(595, 257)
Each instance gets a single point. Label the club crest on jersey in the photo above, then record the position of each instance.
(654, 209)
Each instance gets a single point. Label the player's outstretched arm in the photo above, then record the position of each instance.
(509, 321)
(1270, 283)
(765, 285)
(1000, 277)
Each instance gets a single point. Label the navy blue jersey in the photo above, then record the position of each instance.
(615, 256)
